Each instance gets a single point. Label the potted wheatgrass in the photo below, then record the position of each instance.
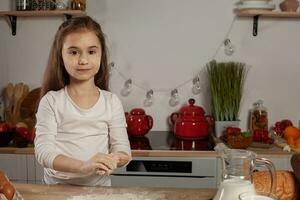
(226, 82)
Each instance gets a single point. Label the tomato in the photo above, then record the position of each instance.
(261, 135)
(257, 136)
(233, 131)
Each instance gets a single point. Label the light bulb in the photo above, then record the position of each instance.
(127, 88)
(229, 48)
(196, 85)
(149, 99)
(174, 99)
(110, 67)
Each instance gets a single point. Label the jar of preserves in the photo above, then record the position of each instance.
(78, 4)
(258, 117)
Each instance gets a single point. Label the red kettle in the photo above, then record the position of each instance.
(190, 122)
(138, 123)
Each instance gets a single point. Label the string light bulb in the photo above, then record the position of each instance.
(174, 99)
(126, 90)
(111, 65)
(229, 48)
(149, 98)
(196, 85)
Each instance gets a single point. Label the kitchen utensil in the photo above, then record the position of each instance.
(238, 166)
(138, 123)
(24, 91)
(9, 92)
(29, 106)
(190, 122)
(20, 92)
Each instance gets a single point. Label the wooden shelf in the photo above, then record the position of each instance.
(266, 13)
(41, 13)
(12, 15)
(256, 13)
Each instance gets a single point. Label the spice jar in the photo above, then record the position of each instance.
(258, 117)
(78, 4)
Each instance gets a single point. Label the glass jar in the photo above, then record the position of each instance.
(78, 4)
(23, 5)
(258, 117)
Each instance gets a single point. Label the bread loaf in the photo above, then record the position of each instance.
(6, 188)
(287, 185)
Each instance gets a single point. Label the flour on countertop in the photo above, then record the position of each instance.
(125, 196)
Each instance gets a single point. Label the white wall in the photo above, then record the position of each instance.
(163, 43)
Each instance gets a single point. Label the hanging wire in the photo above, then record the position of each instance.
(112, 66)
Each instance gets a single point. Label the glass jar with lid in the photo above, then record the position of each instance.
(78, 4)
(258, 117)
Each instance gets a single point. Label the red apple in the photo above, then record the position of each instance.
(285, 123)
(4, 127)
(26, 133)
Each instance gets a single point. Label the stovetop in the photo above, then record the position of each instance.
(164, 140)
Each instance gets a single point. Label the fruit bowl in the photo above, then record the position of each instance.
(239, 141)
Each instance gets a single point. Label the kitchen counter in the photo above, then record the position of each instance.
(67, 192)
(274, 151)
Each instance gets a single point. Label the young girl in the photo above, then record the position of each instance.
(81, 129)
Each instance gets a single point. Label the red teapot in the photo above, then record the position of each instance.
(190, 122)
(138, 123)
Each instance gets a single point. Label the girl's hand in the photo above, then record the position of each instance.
(121, 157)
(100, 164)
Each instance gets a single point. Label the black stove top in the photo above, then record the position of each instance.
(164, 140)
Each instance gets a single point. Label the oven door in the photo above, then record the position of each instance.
(192, 172)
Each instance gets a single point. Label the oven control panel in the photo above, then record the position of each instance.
(159, 166)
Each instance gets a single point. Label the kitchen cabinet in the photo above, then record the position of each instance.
(12, 15)
(21, 168)
(15, 166)
(204, 172)
(265, 13)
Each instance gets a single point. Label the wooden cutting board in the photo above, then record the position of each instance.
(29, 107)
(68, 192)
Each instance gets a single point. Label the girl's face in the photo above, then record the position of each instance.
(81, 53)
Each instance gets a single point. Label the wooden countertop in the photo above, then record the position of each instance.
(67, 192)
(270, 152)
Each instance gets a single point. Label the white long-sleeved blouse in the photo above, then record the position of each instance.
(64, 128)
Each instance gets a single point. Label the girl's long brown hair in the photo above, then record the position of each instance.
(56, 76)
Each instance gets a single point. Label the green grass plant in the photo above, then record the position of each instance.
(226, 82)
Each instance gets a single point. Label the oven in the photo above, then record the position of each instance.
(165, 171)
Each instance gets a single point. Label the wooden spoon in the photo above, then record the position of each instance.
(18, 92)
(24, 90)
(9, 92)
